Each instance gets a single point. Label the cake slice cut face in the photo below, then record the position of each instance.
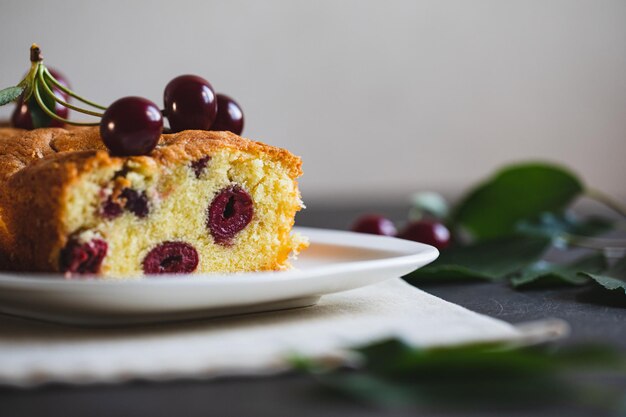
(200, 202)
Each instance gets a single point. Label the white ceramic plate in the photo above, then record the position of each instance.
(336, 261)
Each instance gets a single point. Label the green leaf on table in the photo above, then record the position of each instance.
(516, 193)
(394, 373)
(10, 94)
(546, 274)
(368, 388)
(487, 260)
(614, 279)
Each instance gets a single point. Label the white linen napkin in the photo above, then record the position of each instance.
(33, 352)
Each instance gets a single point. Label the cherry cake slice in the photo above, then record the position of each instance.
(200, 202)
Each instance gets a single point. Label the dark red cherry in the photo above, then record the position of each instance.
(21, 117)
(430, 232)
(22, 114)
(171, 258)
(374, 225)
(190, 103)
(82, 258)
(229, 213)
(131, 126)
(229, 115)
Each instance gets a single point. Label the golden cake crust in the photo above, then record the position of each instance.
(46, 161)
(23, 147)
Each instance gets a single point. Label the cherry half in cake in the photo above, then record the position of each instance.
(129, 200)
(199, 165)
(82, 257)
(171, 258)
(229, 213)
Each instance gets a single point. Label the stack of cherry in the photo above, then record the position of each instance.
(133, 125)
(427, 230)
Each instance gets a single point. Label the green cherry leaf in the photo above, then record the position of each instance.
(10, 94)
(516, 193)
(614, 279)
(486, 260)
(394, 374)
(545, 274)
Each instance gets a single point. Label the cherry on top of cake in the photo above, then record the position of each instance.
(130, 126)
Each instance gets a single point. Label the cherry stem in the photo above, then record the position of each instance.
(606, 200)
(610, 247)
(51, 94)
(52, 114)
(68, 91)
(35, 53)
(39, 77)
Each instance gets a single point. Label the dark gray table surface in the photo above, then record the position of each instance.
(590, 320)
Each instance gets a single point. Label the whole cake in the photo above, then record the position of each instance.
(201, 201)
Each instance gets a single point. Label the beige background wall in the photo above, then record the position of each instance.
(379, 97)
